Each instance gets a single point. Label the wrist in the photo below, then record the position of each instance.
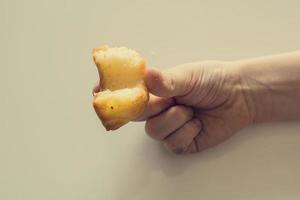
(256, 94)
(271, 85)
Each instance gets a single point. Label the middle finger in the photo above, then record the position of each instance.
(162, 125)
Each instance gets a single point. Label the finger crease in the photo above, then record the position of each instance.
(196, 145)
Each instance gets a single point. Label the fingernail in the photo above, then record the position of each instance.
(179, 150)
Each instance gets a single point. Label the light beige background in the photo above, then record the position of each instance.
(52, 146)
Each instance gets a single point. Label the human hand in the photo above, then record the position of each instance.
(195, 106)
(198, 105)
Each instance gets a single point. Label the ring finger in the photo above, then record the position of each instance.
(159, 127)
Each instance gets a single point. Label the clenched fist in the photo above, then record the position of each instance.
(195, 106)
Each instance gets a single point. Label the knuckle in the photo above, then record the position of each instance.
(150, 130)
(179, 150)
(190, 149)
(182, 112)
(149, 127)
(195, 125)
(203, 142)
(173, 147)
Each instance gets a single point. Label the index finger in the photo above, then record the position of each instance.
(155, 106)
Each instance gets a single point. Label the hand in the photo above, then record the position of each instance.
(195, 106)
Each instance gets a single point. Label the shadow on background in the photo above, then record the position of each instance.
(149, 160)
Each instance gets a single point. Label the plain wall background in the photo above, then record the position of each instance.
(52, 146)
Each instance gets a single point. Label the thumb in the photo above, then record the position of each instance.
(169, 83)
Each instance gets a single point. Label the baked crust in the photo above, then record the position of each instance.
(123, 95)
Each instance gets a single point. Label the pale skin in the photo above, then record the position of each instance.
(198, 105)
